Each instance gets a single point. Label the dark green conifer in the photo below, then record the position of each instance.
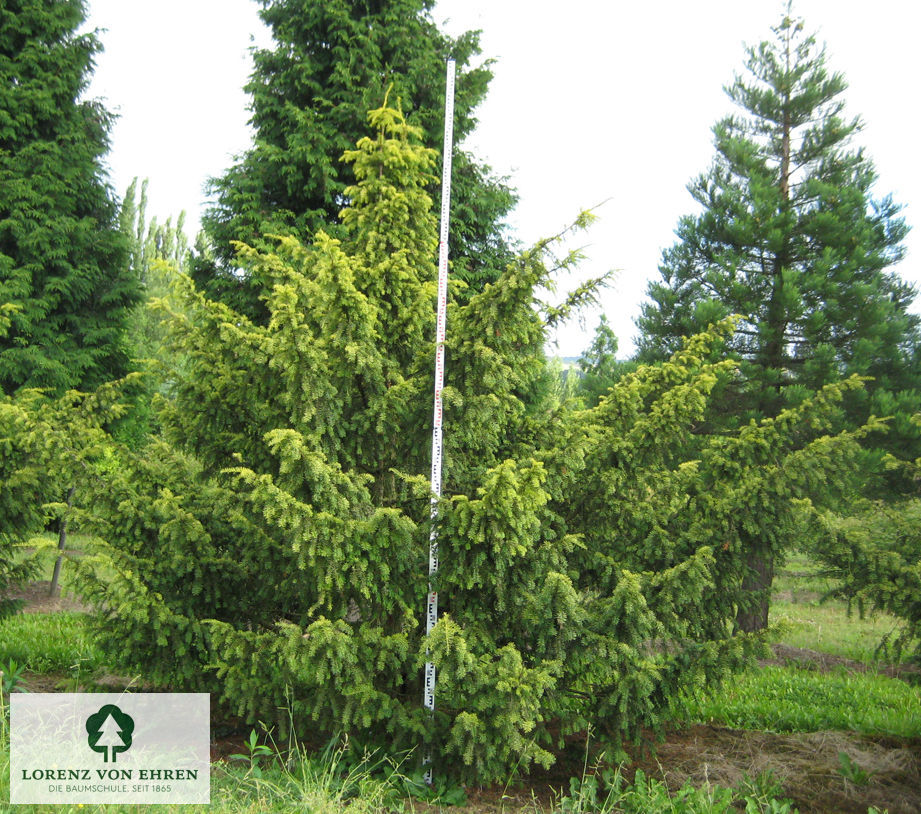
(331, 62)
(63, 261)
(791, 238)
(65, 284)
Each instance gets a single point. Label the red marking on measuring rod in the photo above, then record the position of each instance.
(438, 411)
(431, 615)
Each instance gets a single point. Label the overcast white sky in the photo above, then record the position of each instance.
(592, 100)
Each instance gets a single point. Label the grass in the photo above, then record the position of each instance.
(828, 627)
(607, 792)
(794, 699)
(791, 699)
(48, 642)
(320, 786)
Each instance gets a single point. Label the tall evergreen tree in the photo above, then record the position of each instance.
(790, 237)
(332, 61)
(63, 261)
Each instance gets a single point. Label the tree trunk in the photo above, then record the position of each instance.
(62, 544)
(756, 584)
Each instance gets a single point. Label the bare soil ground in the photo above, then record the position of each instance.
(784, 655)
(806, 764)
(38, 600)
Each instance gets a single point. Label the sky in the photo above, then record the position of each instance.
(592, 101)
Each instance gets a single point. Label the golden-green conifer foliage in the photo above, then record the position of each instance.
(49, 447)
(274, 552)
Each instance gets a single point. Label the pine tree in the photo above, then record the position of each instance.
(791, 238)
(63, 261)
(332, 61)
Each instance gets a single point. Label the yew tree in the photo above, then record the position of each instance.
(273, 549)
(873, 556)
(790, 236)
(46, 441)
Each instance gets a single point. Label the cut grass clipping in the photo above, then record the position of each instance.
(785, 699)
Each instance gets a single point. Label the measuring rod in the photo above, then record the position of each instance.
(431, 616)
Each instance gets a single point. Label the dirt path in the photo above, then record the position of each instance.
(37, 599)
(807, 765)
(785, 655)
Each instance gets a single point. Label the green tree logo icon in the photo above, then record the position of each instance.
(109, 731)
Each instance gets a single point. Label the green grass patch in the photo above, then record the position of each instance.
(801, 577)
(607, 792)
(829, 628)
(785, 699)
(236, 791)
(48, 642)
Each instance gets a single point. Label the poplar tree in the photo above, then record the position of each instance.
(331, 62)
(63, 261)
(157, 253)
(790, 237)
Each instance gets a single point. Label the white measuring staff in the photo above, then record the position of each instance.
(431, 618)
